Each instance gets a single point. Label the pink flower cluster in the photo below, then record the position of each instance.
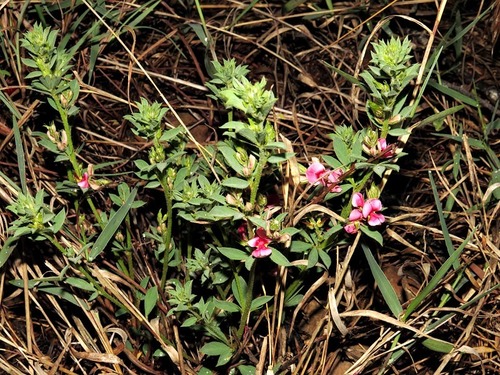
(382, 149)
(260, 242)
(364, 210)
(317, 174)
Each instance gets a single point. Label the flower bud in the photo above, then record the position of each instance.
(232, 200)
(373, 192)
(65, 98)
(249, 207)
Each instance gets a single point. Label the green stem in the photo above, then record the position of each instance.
(71, 149)
(167, 234)
(263, 156)
(248, 301)
(130, 260)
(95, 212)
(385, 129)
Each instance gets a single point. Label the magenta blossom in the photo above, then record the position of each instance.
(317, 174)
(84, 181)
(364, 210)
(242, 231)
(260, 242)
(333, 180)
(383, 149)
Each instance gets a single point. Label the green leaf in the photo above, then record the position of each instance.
(234, 125)
(58, 221)
(112, 226)
(373, 234)
(397, 132)
(81, 284)
(259, 301)
(239, 289)
(7, 249)
(246, 370)
(440, 115)
(280, 158)
(232, 253)
(390, 296)
(454, 94)
(223, 212)
(313, 258)
(150, 300)
(230, 157)
(300, 246)
(226, 306)
(343, 74)
(60, 292)
(439, 346)
(189, 322)
(325, 258)
(273, 145)
(341, 151)
(235, 183)
(215, 348)
(279, 259)
(20, 156)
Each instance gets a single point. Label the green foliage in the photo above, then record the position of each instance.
(387, 76)
(34, 218)
(147, 121)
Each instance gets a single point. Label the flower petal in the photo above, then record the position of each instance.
(376, 204)
(382, 144)
(376, 219)
(84, 181)
(351, 228)
(314, 172)
(357, 200)
(355, 215)
(261, 252)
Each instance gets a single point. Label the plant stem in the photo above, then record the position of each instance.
(130, 261)
(167, 234)
(263, 156)
(71, 149)
(248, 302)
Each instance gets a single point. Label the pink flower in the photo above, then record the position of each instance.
(84, 181)
(351, 228)
(260, 242)
(384, 149)
(370, 212)
(357, 200)
(333, 180)
(242, 231)
(315, 172)
(364, 210)
(355, 215)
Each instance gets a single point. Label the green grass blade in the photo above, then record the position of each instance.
(441, 114)
(442, 221)
(347, 76)
(113, 224)
(383, 283)
(432, 62)
(454, 94)
(7, 249)
(437, 278)
(21, 162)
